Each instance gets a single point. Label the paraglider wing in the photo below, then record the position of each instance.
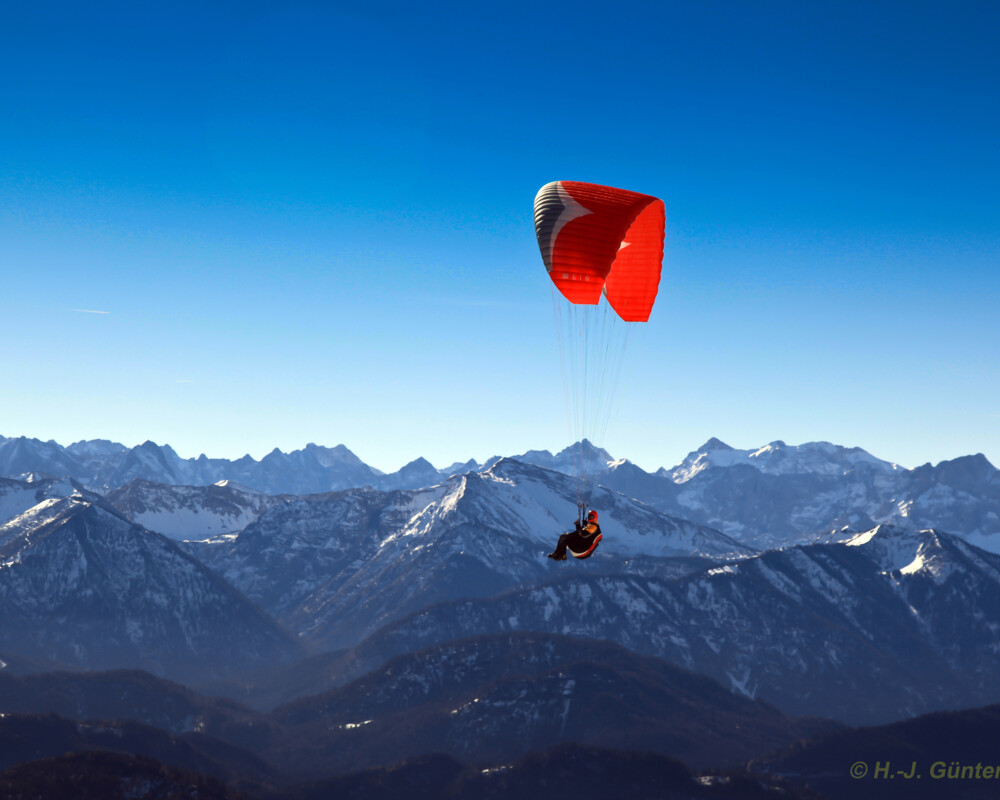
(634, 278)
(595, 238)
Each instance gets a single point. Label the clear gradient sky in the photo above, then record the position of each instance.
(311, 222)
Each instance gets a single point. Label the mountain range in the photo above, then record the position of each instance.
(390, 572)
(569, 771)
(779, 495)
(739, 602)
(81, 585)
(771, 496)
(335, 567)
(840, 630)
(484, 700)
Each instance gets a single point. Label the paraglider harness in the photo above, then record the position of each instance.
(581, 542)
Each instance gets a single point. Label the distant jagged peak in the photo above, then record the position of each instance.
(419, 463)
(585, 450)
(962, 471)
(714, 444)
(151, 446)
(340, 449)
(460, 468)
(323, 455)
(330, 456)
(531, 456)
(582, 456)
(25, 440)
(95, 448)
(336, 461)
(420, 472)
(981, 460)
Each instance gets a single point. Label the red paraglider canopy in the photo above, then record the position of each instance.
(597, 238)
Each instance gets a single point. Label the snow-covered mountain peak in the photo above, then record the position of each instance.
(51, 516)
(937, 556)
(778, 458)
(770, 449)
(927, 561)
(506, 496)
(713, 453)
(940, 556)
(37, 516)
(816, 458)
(890, 546)
(19, 496)
(512, 471)
(441, 513)
(581, 458)
(505, 467)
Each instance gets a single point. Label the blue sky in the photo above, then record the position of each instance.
(312, 223)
